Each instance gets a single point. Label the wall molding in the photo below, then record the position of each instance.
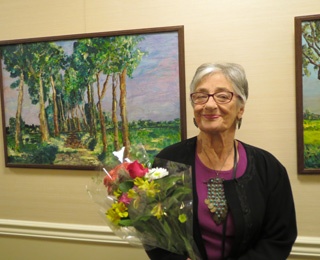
(75, 232)
(304, 246)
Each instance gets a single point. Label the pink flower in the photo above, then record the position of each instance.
(136, 169)
(125, 199)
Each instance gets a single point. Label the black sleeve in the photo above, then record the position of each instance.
(161, 254)
(279, 227)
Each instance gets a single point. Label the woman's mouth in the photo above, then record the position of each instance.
(210, 117)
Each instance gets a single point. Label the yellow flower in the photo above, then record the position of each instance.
(182, 218)
(117, 212)
(121, 209)
(140, 183)
(136, 202)
(132, 193)
(157, 211)
(151, 188)
(117, 193)
(113, 216)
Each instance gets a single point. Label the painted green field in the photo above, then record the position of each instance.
(311, 134)
(311, 131)
(79, 148)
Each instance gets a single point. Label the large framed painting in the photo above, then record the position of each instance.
(69, 101)
(307, 52)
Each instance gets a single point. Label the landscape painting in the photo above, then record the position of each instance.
(307, 30)
(68, 102)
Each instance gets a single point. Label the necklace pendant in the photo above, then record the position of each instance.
(211, 206)
(216, 200)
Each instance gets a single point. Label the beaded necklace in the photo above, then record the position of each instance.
(216, 200)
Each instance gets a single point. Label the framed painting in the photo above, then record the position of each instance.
(307, 55)
(69, 101)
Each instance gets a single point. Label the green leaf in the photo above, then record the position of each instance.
(126, 186)
(142, 217)
(168, 182)
(181, 191)
(167, 228)
(125, 222)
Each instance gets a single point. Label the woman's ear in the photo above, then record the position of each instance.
(239, 117)
(240, 112)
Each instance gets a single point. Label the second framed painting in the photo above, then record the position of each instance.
(69, 101)
(307, 46)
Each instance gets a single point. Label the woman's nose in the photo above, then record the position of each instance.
(211, 102)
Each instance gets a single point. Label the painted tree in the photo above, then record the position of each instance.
(311, 47)
(15, 63)
(93, 55)
(102, 59)
(55, 62)
(84, 79)
(127, 61)
(73, 99)
(116, 142)
(42, 62)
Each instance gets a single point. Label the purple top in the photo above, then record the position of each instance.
(212, 233)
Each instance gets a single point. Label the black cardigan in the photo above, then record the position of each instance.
(260, 201)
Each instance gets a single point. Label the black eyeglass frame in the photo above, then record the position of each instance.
(213, 96)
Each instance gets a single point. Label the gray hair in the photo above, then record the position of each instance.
(232, 71)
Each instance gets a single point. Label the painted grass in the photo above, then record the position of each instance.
(311, 136)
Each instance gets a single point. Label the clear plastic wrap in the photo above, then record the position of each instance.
(148, 206)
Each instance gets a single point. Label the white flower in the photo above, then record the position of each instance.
(119, 154)
(156, 173)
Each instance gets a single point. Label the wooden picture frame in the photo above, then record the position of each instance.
(69, 101)
(307, 57)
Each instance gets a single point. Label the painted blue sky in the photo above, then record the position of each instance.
(311, 92)
(152, 92)
(311, 89)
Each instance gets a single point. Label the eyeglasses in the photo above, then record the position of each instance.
(223, 97)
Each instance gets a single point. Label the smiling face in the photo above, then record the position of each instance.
(214, 118)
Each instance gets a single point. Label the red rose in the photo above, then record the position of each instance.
(136, 169)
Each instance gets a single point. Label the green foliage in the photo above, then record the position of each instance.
(35, 154)
(312, 143)
(311, 132)
(45, 154)
(92, 144)
(126, 186)
(311, 50)
(125, 222)
(102, 157)
(154, 136)
(311, 156)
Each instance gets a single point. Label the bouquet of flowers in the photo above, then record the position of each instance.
(148, 206)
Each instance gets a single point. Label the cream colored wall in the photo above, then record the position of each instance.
(13, 248)
(259, 34)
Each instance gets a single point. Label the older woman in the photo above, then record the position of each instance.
(243, 204)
